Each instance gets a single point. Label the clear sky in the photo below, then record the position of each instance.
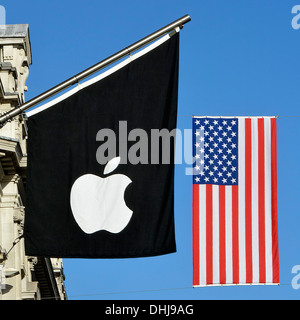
(236, 58)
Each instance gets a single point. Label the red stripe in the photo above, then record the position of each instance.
(196, 278)
(209, 234)
(248, 200)
(235, 234)
(261, 201)
(274, 201)
(222, 239)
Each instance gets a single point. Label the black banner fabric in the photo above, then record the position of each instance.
(94, 189)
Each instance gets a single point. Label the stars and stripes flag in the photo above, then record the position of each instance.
(235, 232)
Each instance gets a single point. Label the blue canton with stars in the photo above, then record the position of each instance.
(215, 150)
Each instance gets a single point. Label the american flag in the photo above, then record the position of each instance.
(235, 233)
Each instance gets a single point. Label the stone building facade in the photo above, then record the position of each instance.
(21, 277)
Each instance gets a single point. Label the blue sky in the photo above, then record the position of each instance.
(236, 58)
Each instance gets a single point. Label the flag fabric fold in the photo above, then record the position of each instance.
(235, 228)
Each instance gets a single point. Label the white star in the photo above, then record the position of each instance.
(233, 180)
(211, 173)
(233, 122)
(215, 168)
(229, 174)
(224, 145)
(215, 180)
(210, 127)
(220, 162)
(202, 150)
(219, 128)
(233, 133)
(197, 122)
(211, 161)
(224, 169)
(202, 128)
(233, 169)
(220, 174)
(206, 121)
(197, 133)
(215, 122)
(228, 128)
(224, 157)
(206, 133)
(224, 122)
(206, 179)
(201, 173)
(197, 179)
(215, 133)
(233, 146)
(233, 157)
(197, 145)
(228, 151)
(224, 134)
(220, 139)
(224, 180)
(211, 139)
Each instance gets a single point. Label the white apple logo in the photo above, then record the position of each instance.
(98, 203)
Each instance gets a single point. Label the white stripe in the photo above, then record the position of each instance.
(228, 233)
(240, 284)
(99, 77)
(254, 198)
(234, 117)
(216, 250)
(268, 202)
(241, 184)
(202, 234)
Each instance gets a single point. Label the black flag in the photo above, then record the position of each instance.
(98, 185)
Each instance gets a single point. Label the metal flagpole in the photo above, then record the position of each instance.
(86, 73)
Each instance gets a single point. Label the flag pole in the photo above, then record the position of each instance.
(98, 66)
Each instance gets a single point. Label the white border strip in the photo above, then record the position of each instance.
(101, 76)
